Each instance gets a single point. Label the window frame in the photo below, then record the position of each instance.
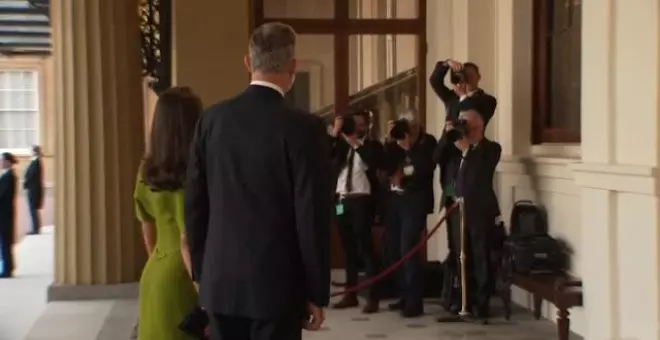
(541, 133)
(342, 26)
(27, 150)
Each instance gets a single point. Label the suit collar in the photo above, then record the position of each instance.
(267, 85)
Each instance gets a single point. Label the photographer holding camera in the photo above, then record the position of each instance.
(409, 166)
(465, 80)
(469, 160)
(356, 160)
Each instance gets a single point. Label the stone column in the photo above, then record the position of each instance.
(99, 143)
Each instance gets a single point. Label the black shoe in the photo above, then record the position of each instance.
(412, 313)
(371, 307)
(396, 305)
(348, 301)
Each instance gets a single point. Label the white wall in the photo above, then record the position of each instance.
(602, 195)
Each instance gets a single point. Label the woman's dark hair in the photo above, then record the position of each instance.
(172, 129)
(8, 156)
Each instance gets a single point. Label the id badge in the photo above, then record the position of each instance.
(408, 170)
(339, 209)
(449, 191)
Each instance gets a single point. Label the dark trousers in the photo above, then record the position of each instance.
(240, 328)
(6, 251)
(478, 270)
(405, 222)
(35, 217)
(354, 226)
(36, 220)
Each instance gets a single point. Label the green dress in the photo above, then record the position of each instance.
(167, 293)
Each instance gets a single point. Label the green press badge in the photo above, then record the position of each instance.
(339, 209)
(449, 191)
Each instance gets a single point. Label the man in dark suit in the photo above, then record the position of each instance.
(409, 165)
(258, 204)
(465, 85)
(33, 184)
(356, 161)
(8, 191)
(470, 162)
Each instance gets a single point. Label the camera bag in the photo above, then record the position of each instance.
(532, 249)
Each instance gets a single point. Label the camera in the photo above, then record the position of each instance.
(459, 131)
(458, 77)
(348, 126)
(400, 129)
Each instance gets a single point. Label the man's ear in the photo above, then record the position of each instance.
(293, 66)
(248, 63)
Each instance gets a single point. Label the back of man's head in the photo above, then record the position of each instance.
(272, 49)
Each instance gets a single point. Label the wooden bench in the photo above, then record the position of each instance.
(563, 291)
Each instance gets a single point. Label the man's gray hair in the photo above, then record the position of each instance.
(272, 47)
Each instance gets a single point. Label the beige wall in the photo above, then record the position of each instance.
(602, 195)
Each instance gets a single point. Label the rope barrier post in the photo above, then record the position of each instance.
(463, 259)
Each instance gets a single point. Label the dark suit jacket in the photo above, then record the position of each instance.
(421, 157)
(33, 183)
(487, 103)
(371, 152)
(476, 183)
(8, 191)
(257, 207)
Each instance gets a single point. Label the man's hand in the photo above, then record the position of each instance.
(395, 180)
(449, 125)
(316, 317)
(454, 65)
(462, 144)
(336, 127)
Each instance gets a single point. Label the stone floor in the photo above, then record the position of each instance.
(24, 313)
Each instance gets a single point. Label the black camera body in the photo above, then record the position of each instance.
(458, 77)
(459, 131)
(400, 129)
(348, 126)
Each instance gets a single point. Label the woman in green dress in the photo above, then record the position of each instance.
(167, 293)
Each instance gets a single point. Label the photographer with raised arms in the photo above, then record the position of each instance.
(356, 160)
(409, 166)
(469, 161)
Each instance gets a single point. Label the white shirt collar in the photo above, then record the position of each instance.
(268, 84)
(4, 171)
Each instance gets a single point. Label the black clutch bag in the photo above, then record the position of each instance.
(195, 323)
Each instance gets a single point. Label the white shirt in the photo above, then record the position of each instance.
(268, 84)
(3, 172)
(469, 94)
(360, 180)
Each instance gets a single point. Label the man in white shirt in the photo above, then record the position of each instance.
(356, 159)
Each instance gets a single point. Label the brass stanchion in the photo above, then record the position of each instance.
(463, 315)
(463, 259)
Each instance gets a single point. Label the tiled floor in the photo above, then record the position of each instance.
(351, 324)
(22, 301)
(23, 298)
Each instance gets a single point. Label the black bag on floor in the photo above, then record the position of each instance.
(532, 249)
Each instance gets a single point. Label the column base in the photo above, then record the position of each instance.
(92, 292)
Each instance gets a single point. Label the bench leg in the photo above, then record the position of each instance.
(537, 306)
(563, 324)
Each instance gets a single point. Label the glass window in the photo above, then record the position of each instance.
(19, 110)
